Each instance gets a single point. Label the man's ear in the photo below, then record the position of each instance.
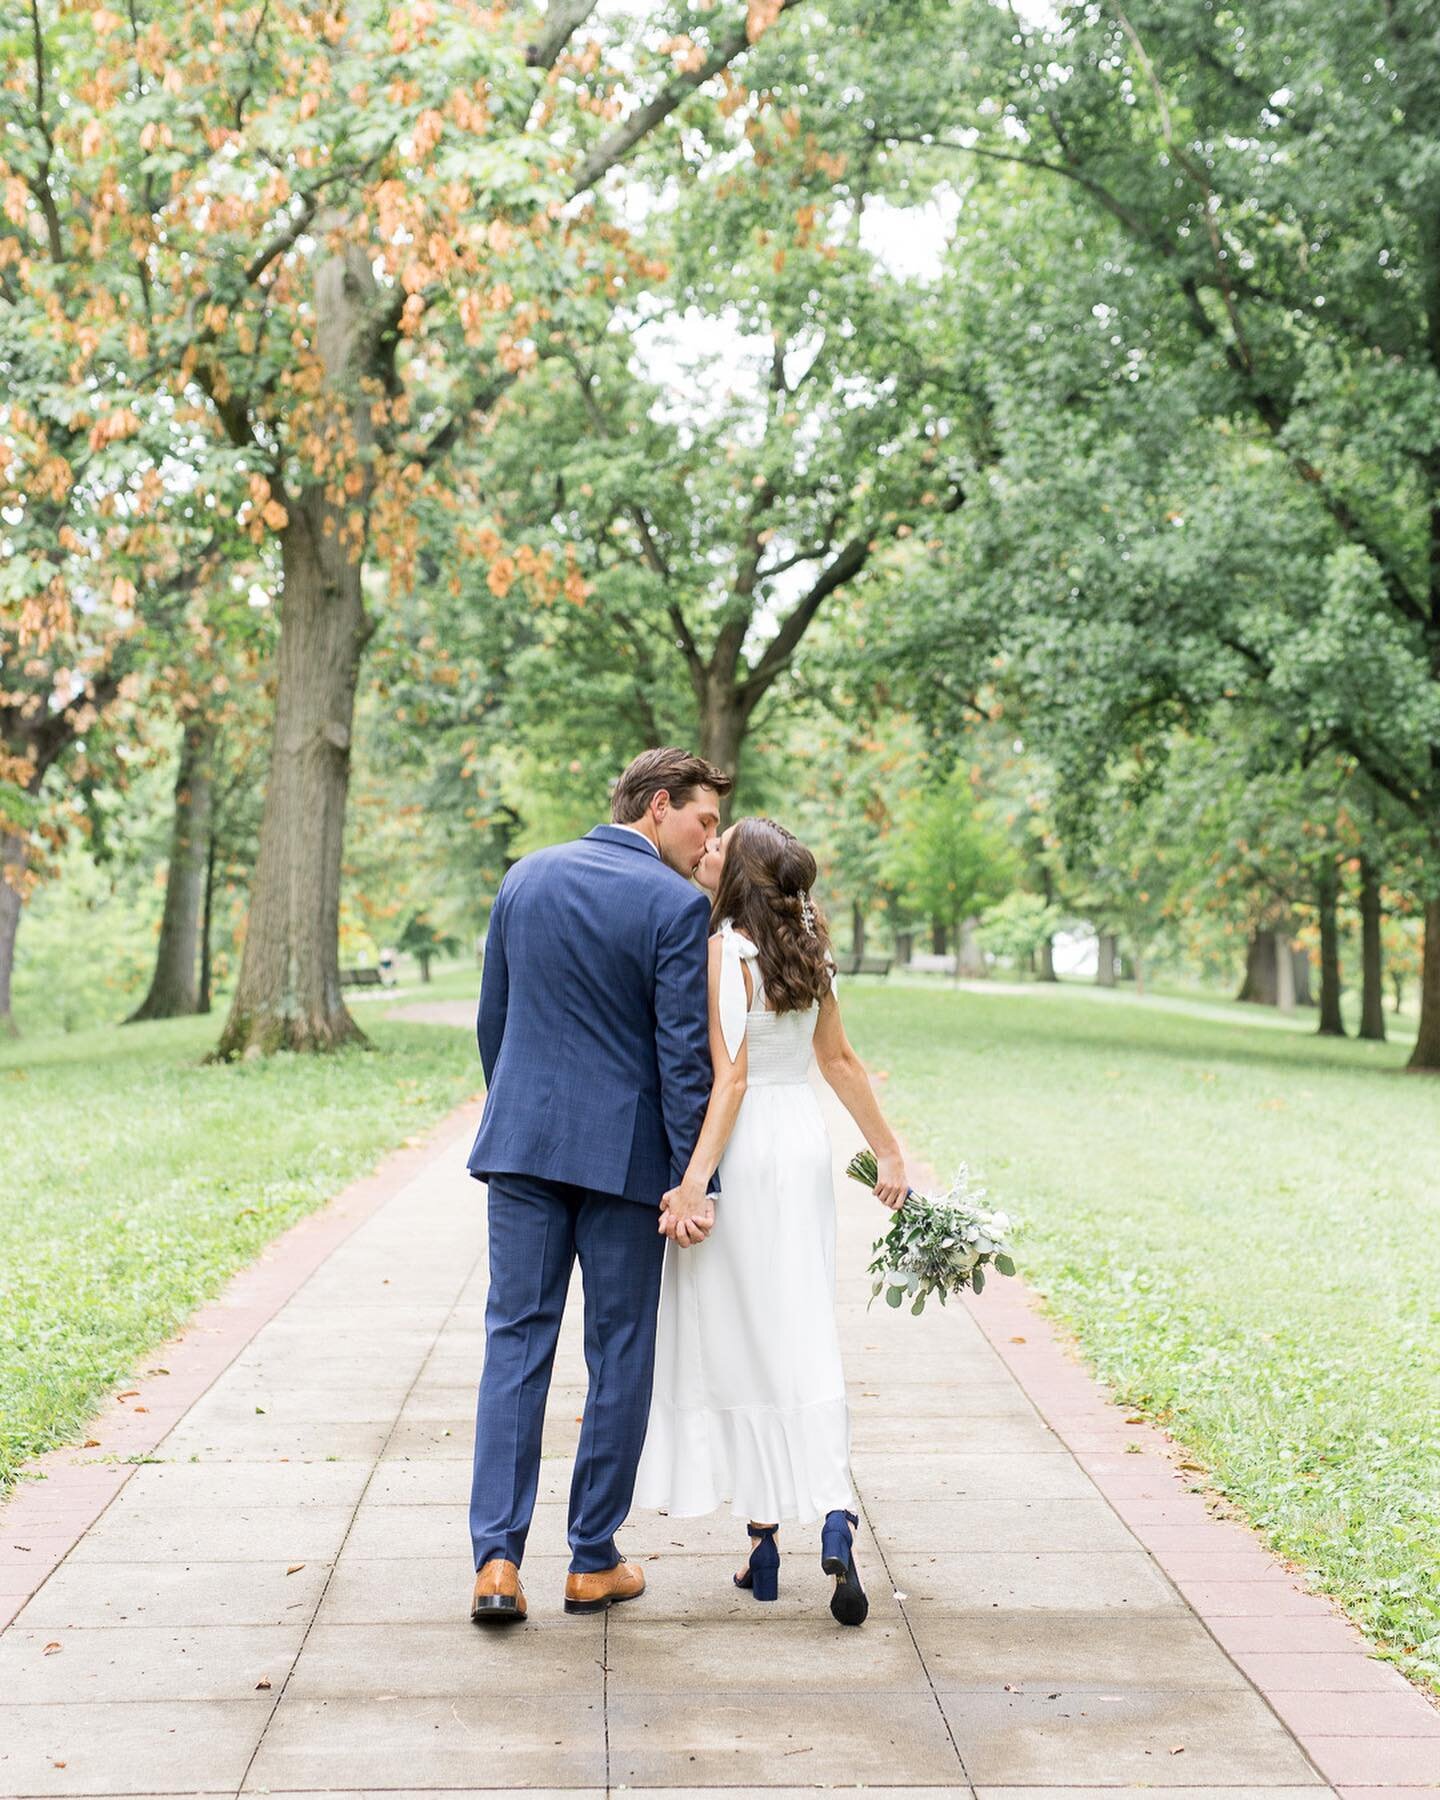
(659, 805)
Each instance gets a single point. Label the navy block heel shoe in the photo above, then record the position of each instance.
(848, 1603)
(762, 1578)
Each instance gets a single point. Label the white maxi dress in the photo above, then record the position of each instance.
(748, 1407)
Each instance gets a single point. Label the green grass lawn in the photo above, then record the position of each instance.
(137, 1180)
(1240, 1222)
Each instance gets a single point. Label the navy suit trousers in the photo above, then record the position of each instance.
(537, 1228)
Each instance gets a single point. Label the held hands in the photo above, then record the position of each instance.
(892, 1184)
(686, 1214)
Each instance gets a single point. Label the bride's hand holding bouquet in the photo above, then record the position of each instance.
(938, 1246)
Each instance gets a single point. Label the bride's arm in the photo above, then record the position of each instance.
(845, 1072)
(687, 1212)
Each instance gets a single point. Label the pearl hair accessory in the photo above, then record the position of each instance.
(807, 914)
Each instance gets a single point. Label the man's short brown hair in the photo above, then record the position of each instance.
(677, 772)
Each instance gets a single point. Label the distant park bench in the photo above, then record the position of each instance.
(929, 964)
(368, 977)
(850, 964)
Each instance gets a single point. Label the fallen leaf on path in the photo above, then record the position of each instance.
(295, 1568)
(51, 1649)
(92, 1443)
(1017, 1340)
(1177, 1749)
(262, 1684)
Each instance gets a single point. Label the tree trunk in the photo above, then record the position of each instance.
(12, 868)
(288, 994)
(1300, 971)
(857, 928)
(1284, 974)
(1397, 981)
(423, 957)
(904, 946)
(1139, 963)
(1047, 948)
(1260, 986)
(723, 723)
(1426, 1054)
(1105, 959)
(207, 915)
(1372, 962)
(1327, 888)
(174, 988)
(939, 937)
(969, 957)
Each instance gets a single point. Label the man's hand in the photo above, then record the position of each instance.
(686, 1214)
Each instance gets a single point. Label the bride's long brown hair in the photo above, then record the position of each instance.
(764, 891)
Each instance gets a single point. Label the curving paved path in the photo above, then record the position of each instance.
(276, 1602)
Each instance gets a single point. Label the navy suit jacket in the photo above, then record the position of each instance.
(593, 1021)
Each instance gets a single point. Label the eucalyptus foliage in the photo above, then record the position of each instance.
(936, 1247)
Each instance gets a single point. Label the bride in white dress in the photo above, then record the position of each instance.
(748, 1406)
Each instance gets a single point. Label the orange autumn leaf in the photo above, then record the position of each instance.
(760, 15)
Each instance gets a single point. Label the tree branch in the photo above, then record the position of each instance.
(778, 652)
(1393, 782)
(445, 437)
(40, 187)
(614, 148)
(1129, 219)
(563, 19)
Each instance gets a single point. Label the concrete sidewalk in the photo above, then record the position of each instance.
(279, 1602)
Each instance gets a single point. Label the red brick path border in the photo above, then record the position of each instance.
(1363, 1725)
(63, 1493)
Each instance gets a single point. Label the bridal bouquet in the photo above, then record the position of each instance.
(936, 1246)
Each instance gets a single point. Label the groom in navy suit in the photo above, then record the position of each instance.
(594, 1036)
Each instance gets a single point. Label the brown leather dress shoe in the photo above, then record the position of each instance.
(606, 1587)
(499, 1598)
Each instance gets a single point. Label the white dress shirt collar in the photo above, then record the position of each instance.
(647, 841)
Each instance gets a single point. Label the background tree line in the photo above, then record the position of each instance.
(1010, 446)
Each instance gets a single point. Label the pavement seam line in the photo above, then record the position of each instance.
(915, 1642)
(439, 1136)
(605, 1695)
(1033, 1304)
(360, 1499)
(1185, 1602)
